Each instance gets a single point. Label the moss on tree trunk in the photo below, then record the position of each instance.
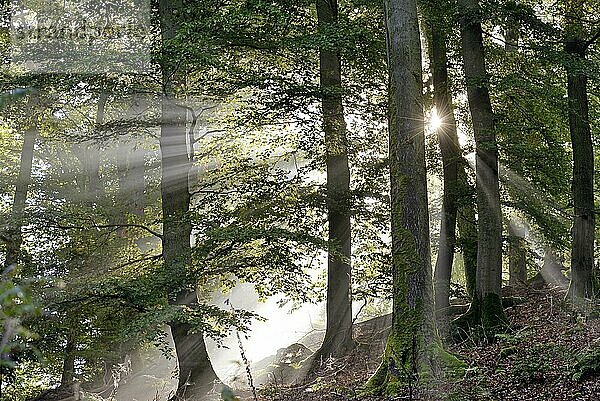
(412, 350)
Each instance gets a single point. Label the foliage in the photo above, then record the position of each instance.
(91, 272)
(588, 364)
(16, 304)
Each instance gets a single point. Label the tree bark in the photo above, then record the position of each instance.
(15, 237)
(511, 35)
(517, 255)
(451, 155)
(517, 245)
(487, 305)
(456, 189)
(338, 334)
(411, 344)
(467, 230)
(582, 249)
(196, 374)
(68, 370)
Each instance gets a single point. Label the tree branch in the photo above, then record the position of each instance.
(591, 41)
(102, 226)
(132, 262)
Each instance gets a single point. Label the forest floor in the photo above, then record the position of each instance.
(548, 346)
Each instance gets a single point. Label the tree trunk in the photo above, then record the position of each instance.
(582, 250)
(338, 334)
(196, 374)
(451, 155)
(135, 172)
(487, 304)
(517, 255)
(15, 238)
(517, 245)
(68, 370)
(511, 34)
(456, 189)
(467, 238)
(411, 344)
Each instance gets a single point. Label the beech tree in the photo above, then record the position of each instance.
(517, 244)
(196, 375)
(583, 231)
(338, 333)
(517, 254)
(486, 308)
(457, 208)
(257, 142)
(14, 238)
(411, 349)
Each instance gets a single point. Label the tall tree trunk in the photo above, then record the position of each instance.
(451, 155)
(15, 237)
(517, 245)
(456, 188)
(486, 308)
(338, 334)
(196, 374)
(582, 250)
(411, 342)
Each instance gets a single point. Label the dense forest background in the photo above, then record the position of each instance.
(299, 200)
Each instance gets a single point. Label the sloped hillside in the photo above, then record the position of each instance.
(551, 352)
